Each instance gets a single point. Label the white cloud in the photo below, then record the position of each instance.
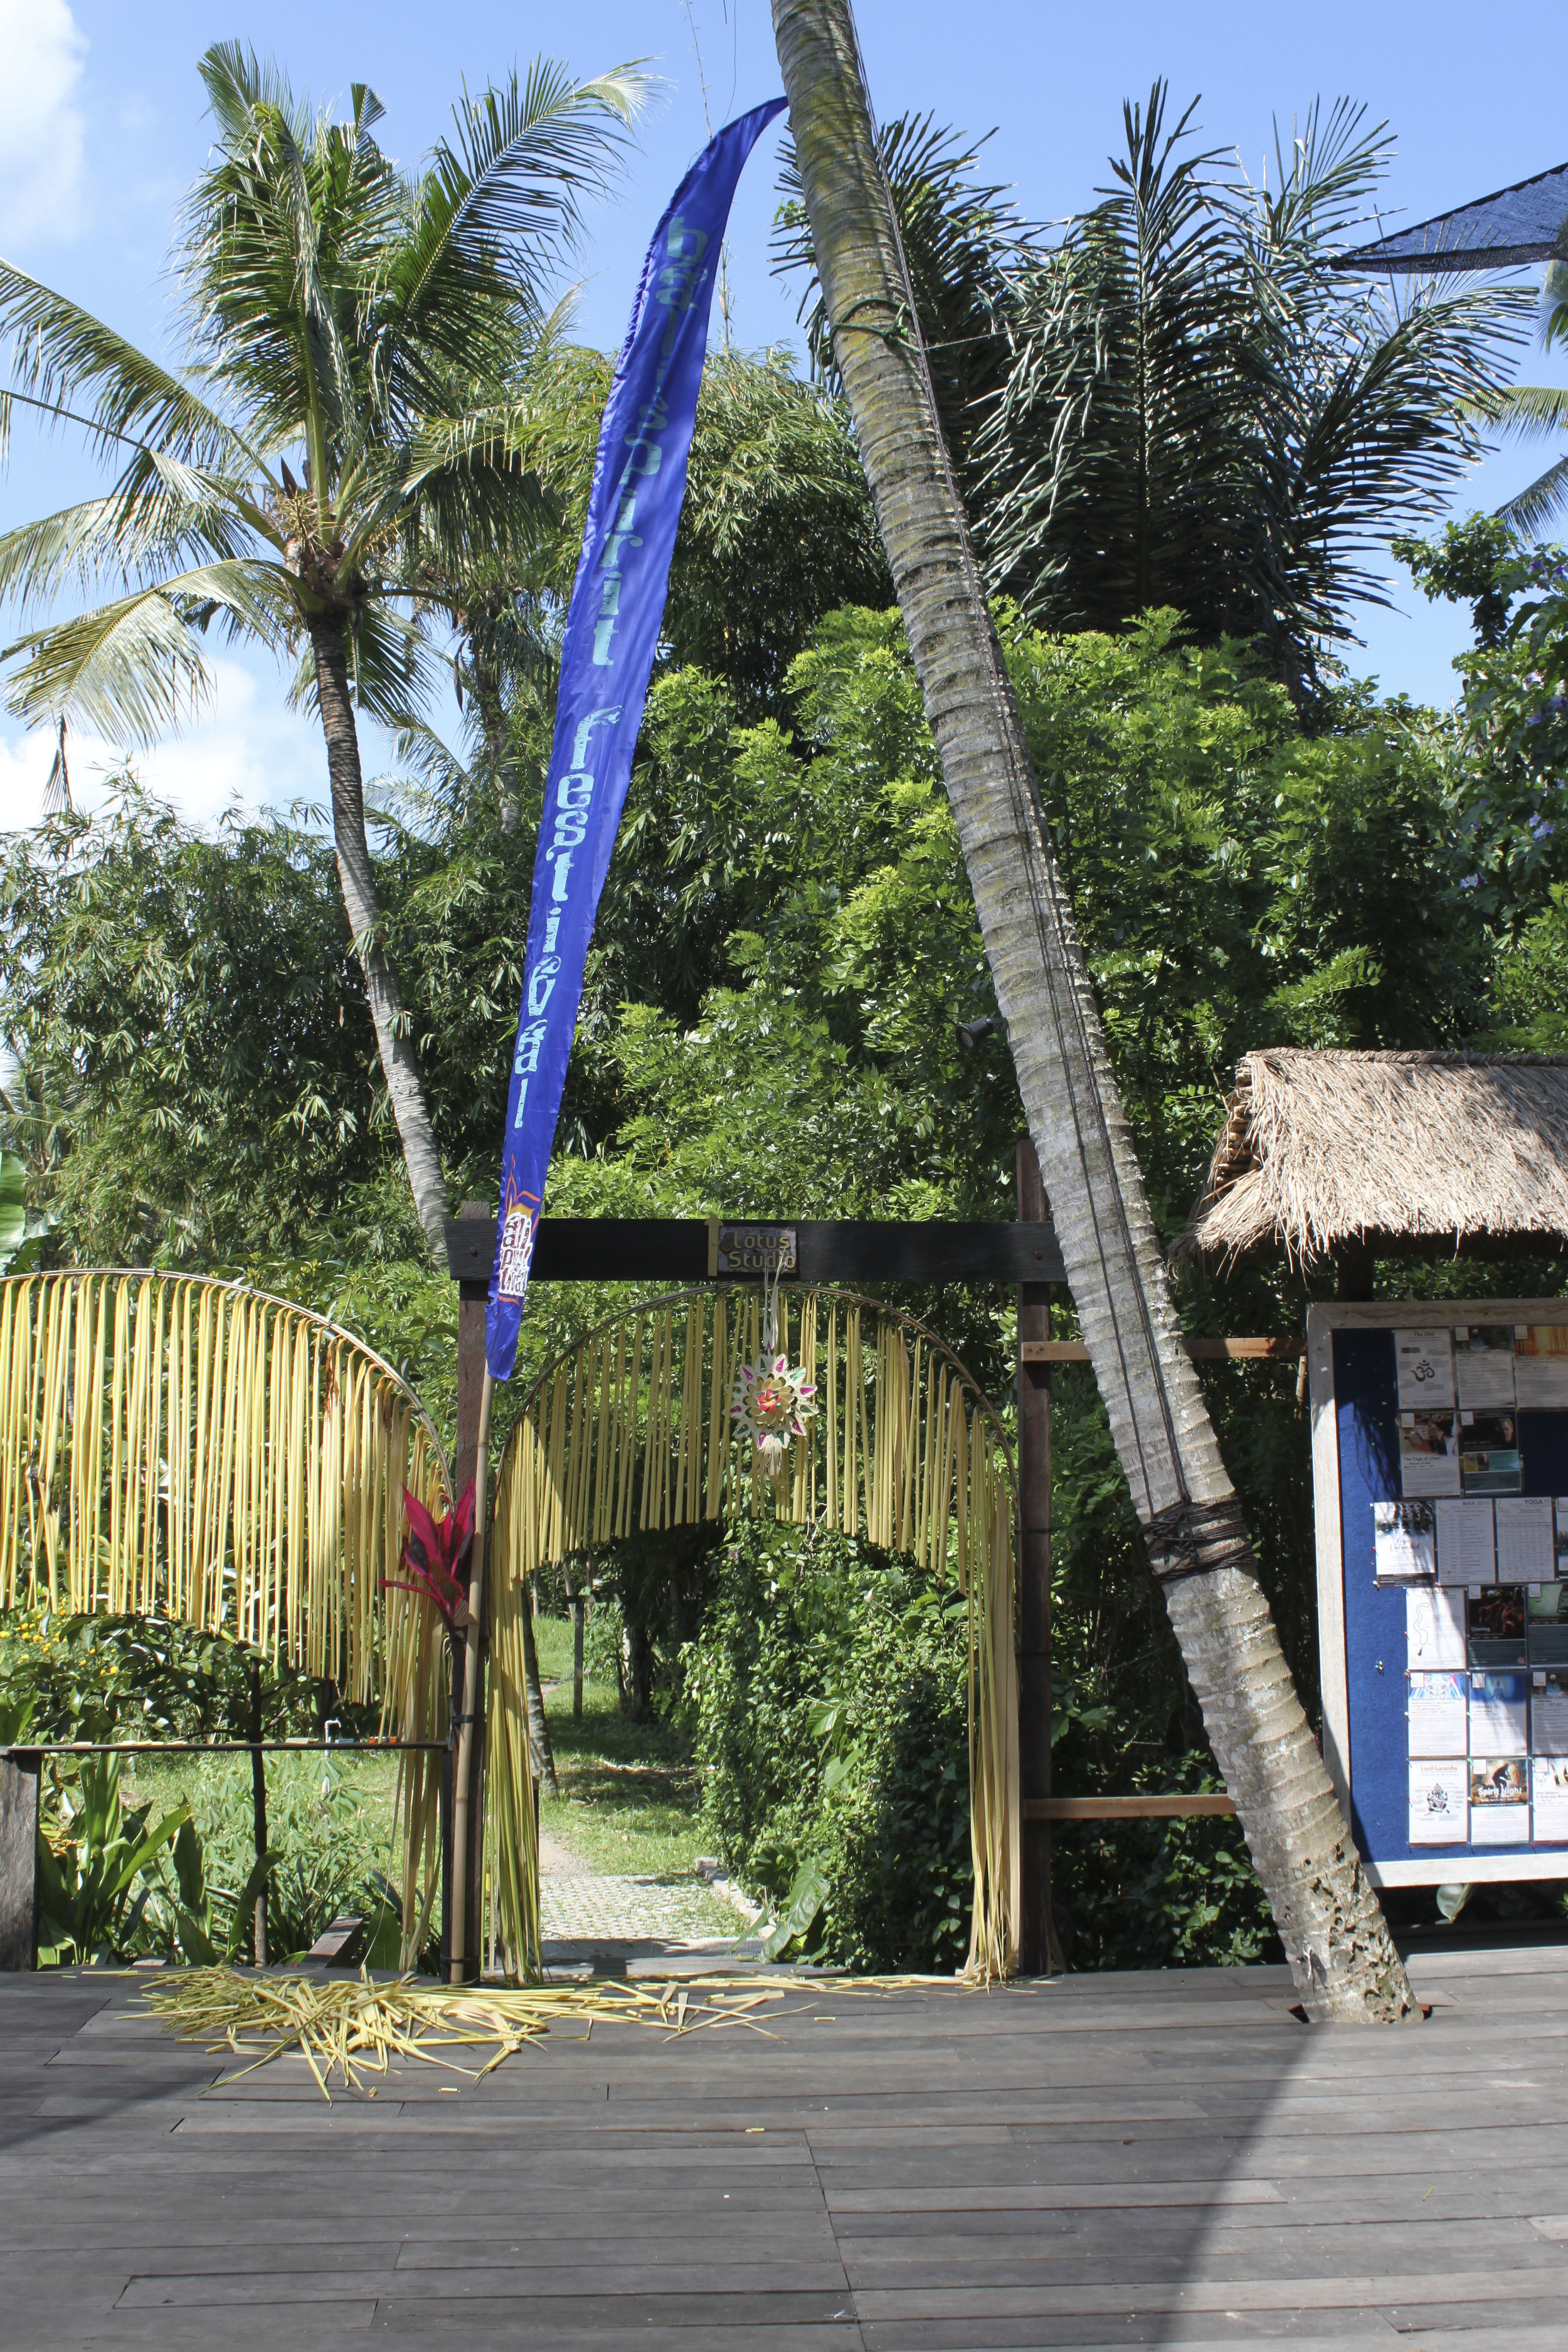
(248, 749)
(42, 193)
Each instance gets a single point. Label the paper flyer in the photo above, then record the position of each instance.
(1498, 1637)
(1499, 1801)
(1483, 1366)
(1526, 1551)
(1424, 1362)
(1560, 1509)
(1548, 1798)
(1548, 1712)
(1546, 1622)
(1466, 1542)
(1405, 1543)
(1428, 1454)
(1540, 1367)
(1439, 1803)
(1500, 1714)
(1434, 1628)
(1490, 1461)
(1440, 1715)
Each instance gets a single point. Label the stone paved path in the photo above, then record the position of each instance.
(587, 1914)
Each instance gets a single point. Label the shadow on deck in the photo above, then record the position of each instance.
(1116, 2160)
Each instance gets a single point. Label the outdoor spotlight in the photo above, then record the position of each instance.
(971, 1033)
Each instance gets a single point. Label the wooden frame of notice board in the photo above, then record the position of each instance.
(1445, 1687)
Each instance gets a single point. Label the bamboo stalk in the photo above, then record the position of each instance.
(472, 1643)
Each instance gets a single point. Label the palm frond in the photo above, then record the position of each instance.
(392, 667)
(1526, 409)
(961, 237)
(237, 85)
(497, 206)
(282, 242)
(157, 517)
(1544, 502)
(131, 668)
(71, 361)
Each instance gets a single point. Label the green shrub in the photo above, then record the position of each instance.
(99, 1677)
(336, 1849)
(1161, 1895)
(828, 1688)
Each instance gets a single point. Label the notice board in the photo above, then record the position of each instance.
(1440, 1487)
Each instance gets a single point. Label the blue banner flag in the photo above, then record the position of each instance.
(612, 635)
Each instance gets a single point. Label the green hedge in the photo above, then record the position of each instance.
(828, 1690)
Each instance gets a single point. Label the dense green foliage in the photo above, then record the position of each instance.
(134, 1678)
(828, 1688)
(1173, 425)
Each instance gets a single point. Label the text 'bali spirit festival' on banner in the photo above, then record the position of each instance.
(612, 635)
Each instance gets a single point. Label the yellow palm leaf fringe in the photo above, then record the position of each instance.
(632, 1428)
(178, 1447)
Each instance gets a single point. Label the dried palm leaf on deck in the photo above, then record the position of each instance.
(355, 2027)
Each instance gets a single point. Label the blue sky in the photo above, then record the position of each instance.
(101, 130)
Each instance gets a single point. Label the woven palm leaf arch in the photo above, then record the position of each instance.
(629, 1428)
(177, 1447)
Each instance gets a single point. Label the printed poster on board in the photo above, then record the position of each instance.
(1466, 1542)
(1440, 1715)
(1439, 1803)
(1405, 1543)
(1428, 1454)
(1424, 1362)
(1549, 1797)
(1499, 1801)
(1541, 1367)
(1434, 1628)
(1483, 1367)
(1490, 1459)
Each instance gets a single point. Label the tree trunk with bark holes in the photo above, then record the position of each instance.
(357, 877)
(1326, 1911)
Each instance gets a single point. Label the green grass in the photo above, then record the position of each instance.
(630, 1791)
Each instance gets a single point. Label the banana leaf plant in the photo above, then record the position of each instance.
(89, 1907)
(204, 1938)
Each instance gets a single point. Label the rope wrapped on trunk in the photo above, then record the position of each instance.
(1192, 1538)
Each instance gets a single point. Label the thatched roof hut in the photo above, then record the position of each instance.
(1357, 1156)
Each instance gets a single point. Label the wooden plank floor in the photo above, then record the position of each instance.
(1132, 2160)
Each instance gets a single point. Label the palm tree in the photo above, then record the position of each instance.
(1531, 410)
(1178, 402)
(373, 325)
(1326, 1911)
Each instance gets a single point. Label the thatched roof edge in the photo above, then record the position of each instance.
(1397, 1150)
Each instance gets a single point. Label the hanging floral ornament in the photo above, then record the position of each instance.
(774, 1401)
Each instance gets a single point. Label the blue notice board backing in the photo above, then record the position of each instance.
(1441, 1486)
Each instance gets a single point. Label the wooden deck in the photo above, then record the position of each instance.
(1151, 2160)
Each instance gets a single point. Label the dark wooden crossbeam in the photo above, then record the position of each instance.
(680, 1251)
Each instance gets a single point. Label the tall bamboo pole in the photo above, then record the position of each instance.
(472, 1641)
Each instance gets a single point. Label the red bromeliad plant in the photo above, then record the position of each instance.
(436, 1554)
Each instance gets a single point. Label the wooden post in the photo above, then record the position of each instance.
(257, 1809)
(470, 1383)
(1037, 1944)
(19, 1859)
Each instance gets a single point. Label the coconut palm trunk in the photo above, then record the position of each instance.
(357, 877)
(1327, 1913)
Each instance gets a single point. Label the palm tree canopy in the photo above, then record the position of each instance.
(1174, 401)
(1199, 414)
(374, 324)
